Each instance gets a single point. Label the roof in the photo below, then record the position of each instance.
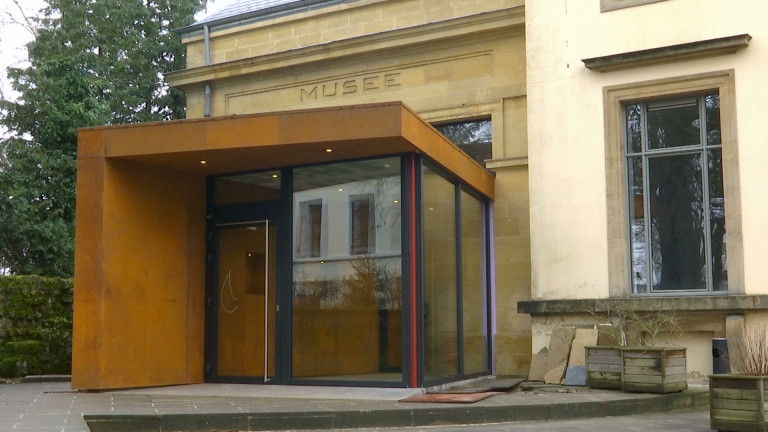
(255, 142)
(248, 10)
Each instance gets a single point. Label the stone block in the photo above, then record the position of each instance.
(582, 338)
(559, 351)
(576, 375)
(538, 366)
(734, 332)
(555, 375)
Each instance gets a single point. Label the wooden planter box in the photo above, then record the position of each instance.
(737, 402)
(653, 369)
(603, 366)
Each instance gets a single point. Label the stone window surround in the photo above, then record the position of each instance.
(609, 5)
(473, 111)
(614, 99)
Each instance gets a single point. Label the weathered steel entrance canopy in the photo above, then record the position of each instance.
(289, 138)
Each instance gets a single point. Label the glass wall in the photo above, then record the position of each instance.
(454, 277)
(474, 310)
(440, 301)
(339, 237)
(347, 272)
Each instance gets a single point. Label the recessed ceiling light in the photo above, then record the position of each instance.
(341, 190)
(275, 176)
(329, 150)
(203, 162)
(396, 201)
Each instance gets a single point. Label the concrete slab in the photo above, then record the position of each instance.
(576, 375)
(538, 366)
(582, 338)
(54, 407)
(559, 351)
(277, 391)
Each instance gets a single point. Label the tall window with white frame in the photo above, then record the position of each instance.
(675, 195)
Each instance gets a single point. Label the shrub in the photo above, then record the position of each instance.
(35, 325)
(752, 357)
(21, 358)
(11, 367)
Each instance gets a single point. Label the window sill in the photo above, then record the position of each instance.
(506, 162)
(668, 54)
(711, 303)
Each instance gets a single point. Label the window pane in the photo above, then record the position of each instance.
(473, 137)
(717, 221)
(347, 309)
(673, 124)
(637, 226)
(712, 108)
(634, 128)
(440, 303)
(678, 225)
(472, 285)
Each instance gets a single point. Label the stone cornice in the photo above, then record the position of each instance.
(668, 54)
(506, 162)
(722, 304)
(463, 26)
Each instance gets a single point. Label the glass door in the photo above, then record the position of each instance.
(246, 309)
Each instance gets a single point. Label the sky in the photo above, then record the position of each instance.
(14, 37)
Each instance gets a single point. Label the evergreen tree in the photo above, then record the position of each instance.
(93, 62)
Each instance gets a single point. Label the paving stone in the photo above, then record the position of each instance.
(204, 412)
(290, 421)
(204, 422)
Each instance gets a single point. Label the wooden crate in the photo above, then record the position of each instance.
(653, 369)
(603, 366)
(737, 402)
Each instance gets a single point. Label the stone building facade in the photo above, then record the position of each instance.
(622, 171)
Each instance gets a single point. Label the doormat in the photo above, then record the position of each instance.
(460, 398)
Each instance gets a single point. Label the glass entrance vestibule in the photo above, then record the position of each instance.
(369, 272)
(344, 245)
